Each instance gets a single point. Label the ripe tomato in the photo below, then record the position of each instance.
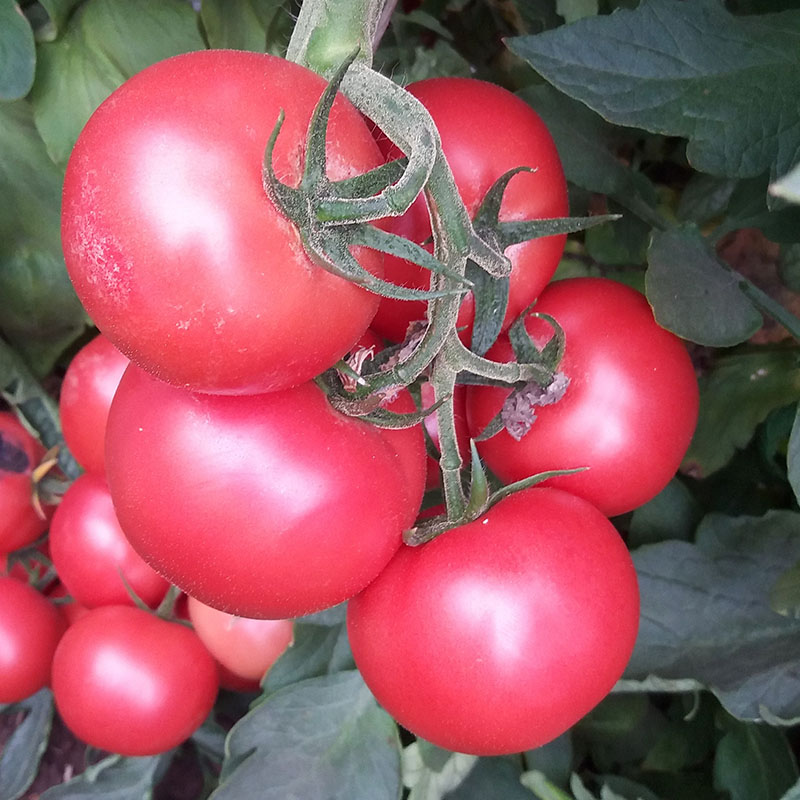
(129, 682)
(499, 635)
(92, 555)
(20, 524)
(486, 131)
(86, 393)
(30, 627)
(173, 246)
(628, 413)
(268, 506)
(245, 647)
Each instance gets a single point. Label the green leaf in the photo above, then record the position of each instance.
(257, 25)
(21, 754)
(788, 187)
(114, 778)
(751, 207)
(492, 777)
(104, 44)
(541, 787)
(793, 456)
(671, 514)
(40, 313)
(324, 737)
(573, 10)
(735, 397)
(58, 11)
(706, 615)
(317, 649)
(694, 294)
(754, 762)
(793, 793)
(686, 69)
(17, 52)
(784, 597)
(553, 759)
(429, 782)
(704, 197)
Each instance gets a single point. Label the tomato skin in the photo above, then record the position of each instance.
(499, 635)
(89, 549)
(131, 683)
(30, 628)
(86, 393)
(246, 648)
(630, 409)
(19, 454)
(485, 131)
(174, 248)
(265, 506)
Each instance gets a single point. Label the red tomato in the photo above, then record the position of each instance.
(245, 647)
(129, 682)
(172, 244)
(628, 413)
(30, 627)
(86, 393)
(486, 131)
(20, 524)
(268, 506)
(499, 635)
(92, 555)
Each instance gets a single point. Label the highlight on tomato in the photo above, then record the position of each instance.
(265, 506)
(129, 682)
(172, 244)
(485, 131)
(629, 410)
(499, 635)
(20, 522)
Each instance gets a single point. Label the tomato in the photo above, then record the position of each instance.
(20, 524)
(245, 647)
(89, 385)
(499, 635)
(268, 506)
(30, 627)
(628, 413)
(90, 551)
(486, 131)
(174, 248)
(129, 682)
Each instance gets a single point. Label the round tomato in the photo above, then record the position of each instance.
(92, 555)
(245, 647)
(268, 506)
(499, 635)
(20, 524)
(30, 627)
(86, 393)
(173, 246)
(129, 682)
(486, 131)
(629, 410)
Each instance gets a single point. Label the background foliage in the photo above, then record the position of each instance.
(685, 118)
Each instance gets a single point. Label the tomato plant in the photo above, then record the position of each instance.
(486, 131)
(30, 628)
(91, 554)
(174, 248)
(86, 393)
(498, 635)
(20, 524)
(127, 681)
(245, 647)
(628, 413)
(269, 505)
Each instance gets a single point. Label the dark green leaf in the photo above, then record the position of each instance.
(671, 514)
(553, 759)
(258, 25)
(21, 754)
(105, 43)
(17, 52)
(694, 294)
(793, 456)
(430, 772)
(686, 69)
(621, 243)
(114, 778)
(58, 11)
(735, 397)
(324, 738)
(706, 614)
(492, 777)
(704, 198)
(753, 762)
(317, 649)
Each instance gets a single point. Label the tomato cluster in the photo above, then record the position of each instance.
(220, 465)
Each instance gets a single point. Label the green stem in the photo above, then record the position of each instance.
(763, 302)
